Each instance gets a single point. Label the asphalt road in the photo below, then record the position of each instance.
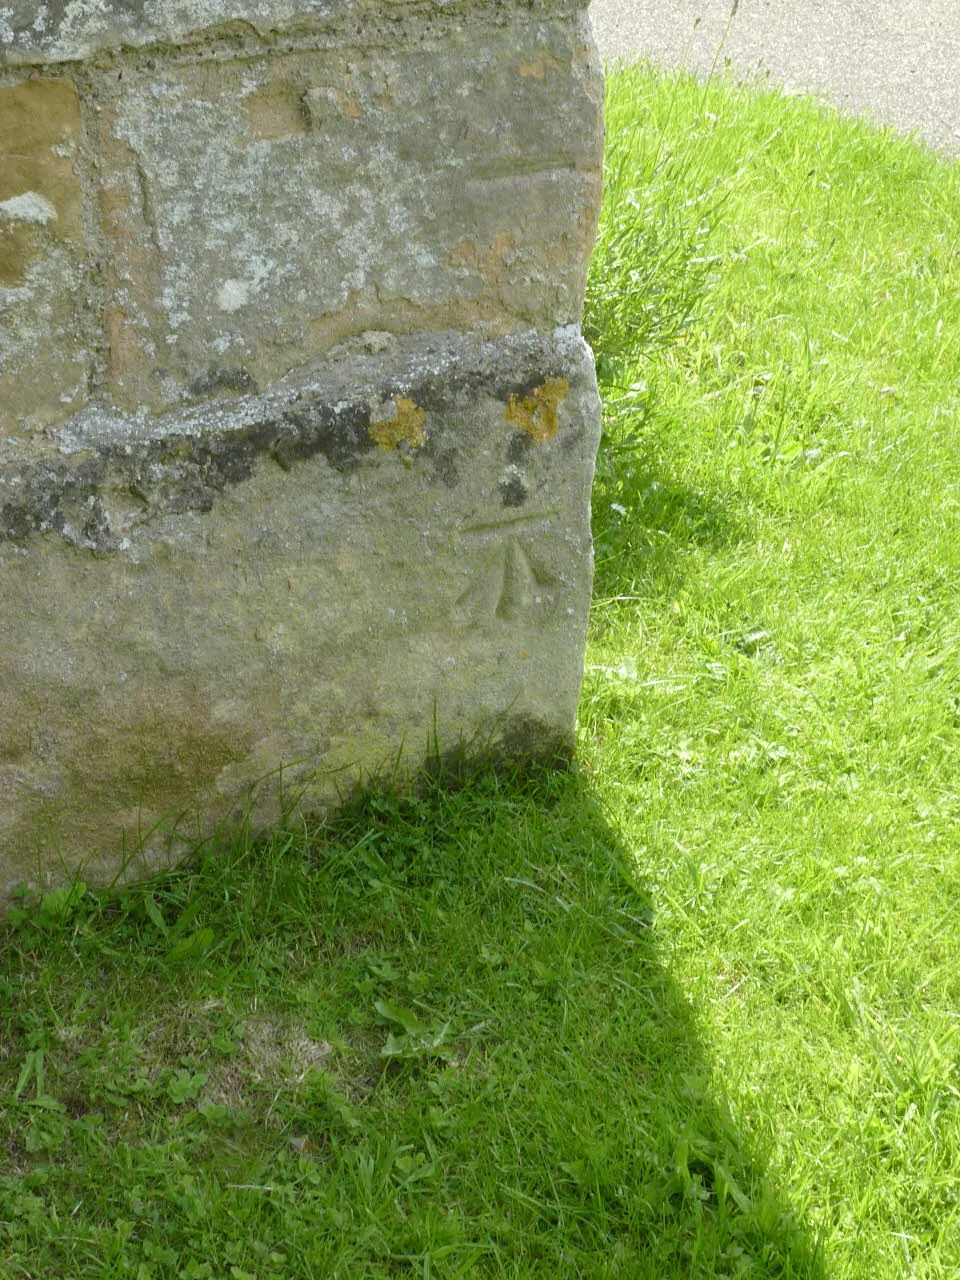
(895, 60)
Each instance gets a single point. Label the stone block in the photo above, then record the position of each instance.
(297, 428)
(259, 211)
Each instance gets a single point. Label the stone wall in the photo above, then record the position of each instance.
(296, 425)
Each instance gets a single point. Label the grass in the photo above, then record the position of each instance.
(438, 1041)
(773, 705)
(689, 1010)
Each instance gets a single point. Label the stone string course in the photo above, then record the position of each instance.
(296, 426)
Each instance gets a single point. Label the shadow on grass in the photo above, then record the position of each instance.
(438, 1038)
(646, 521)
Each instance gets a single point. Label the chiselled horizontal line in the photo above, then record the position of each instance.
(486, 525)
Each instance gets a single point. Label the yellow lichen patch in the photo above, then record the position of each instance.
(405, 427)
(536, 414)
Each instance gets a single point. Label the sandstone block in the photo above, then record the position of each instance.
(296, 425)
(44, 332)
(257, 212)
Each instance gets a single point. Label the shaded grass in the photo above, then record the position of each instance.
(438, 1039)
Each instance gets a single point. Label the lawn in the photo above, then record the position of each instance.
(691, 1009)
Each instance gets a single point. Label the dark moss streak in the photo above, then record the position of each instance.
(176, 473)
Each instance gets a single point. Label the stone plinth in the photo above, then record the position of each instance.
(296, 425)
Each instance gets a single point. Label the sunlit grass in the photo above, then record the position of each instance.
(773, 700)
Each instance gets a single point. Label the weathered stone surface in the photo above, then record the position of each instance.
(307, 197)
(64, 30)
(296, 426)
(44, 339)
(385, 562)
